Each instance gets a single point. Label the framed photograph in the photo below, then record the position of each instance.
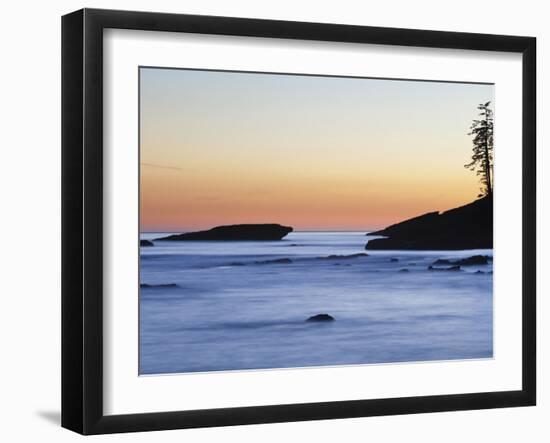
(268, 221)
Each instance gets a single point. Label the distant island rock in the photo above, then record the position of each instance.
(466, 227)
(247, 232)
(146, 243)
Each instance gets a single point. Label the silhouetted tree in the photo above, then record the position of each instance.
(482, 152)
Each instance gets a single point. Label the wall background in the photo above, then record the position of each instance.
(30, 220)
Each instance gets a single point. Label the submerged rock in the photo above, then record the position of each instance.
(343, 257)
(276, 261)
(441, 261)
(404, 270)
(162, 285)
(321, 317)
(394, 260)
(473, 260)
(469, 261)
(450, 268)
(146, 243)
(249, 232)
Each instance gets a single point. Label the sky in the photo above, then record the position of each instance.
(311, 152)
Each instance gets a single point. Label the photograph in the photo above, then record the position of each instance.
(296, 220)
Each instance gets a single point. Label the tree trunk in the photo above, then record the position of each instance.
(487, 159)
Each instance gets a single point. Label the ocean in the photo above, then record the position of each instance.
(223, 306)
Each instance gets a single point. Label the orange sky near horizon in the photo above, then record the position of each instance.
(314, 153)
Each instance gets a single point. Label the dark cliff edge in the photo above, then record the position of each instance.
(466, 227)
(251, 232)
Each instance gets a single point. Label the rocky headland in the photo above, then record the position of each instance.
(466, 227)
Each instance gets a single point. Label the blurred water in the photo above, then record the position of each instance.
(230, 311)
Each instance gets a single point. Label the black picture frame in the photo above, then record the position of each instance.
(82, 215)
